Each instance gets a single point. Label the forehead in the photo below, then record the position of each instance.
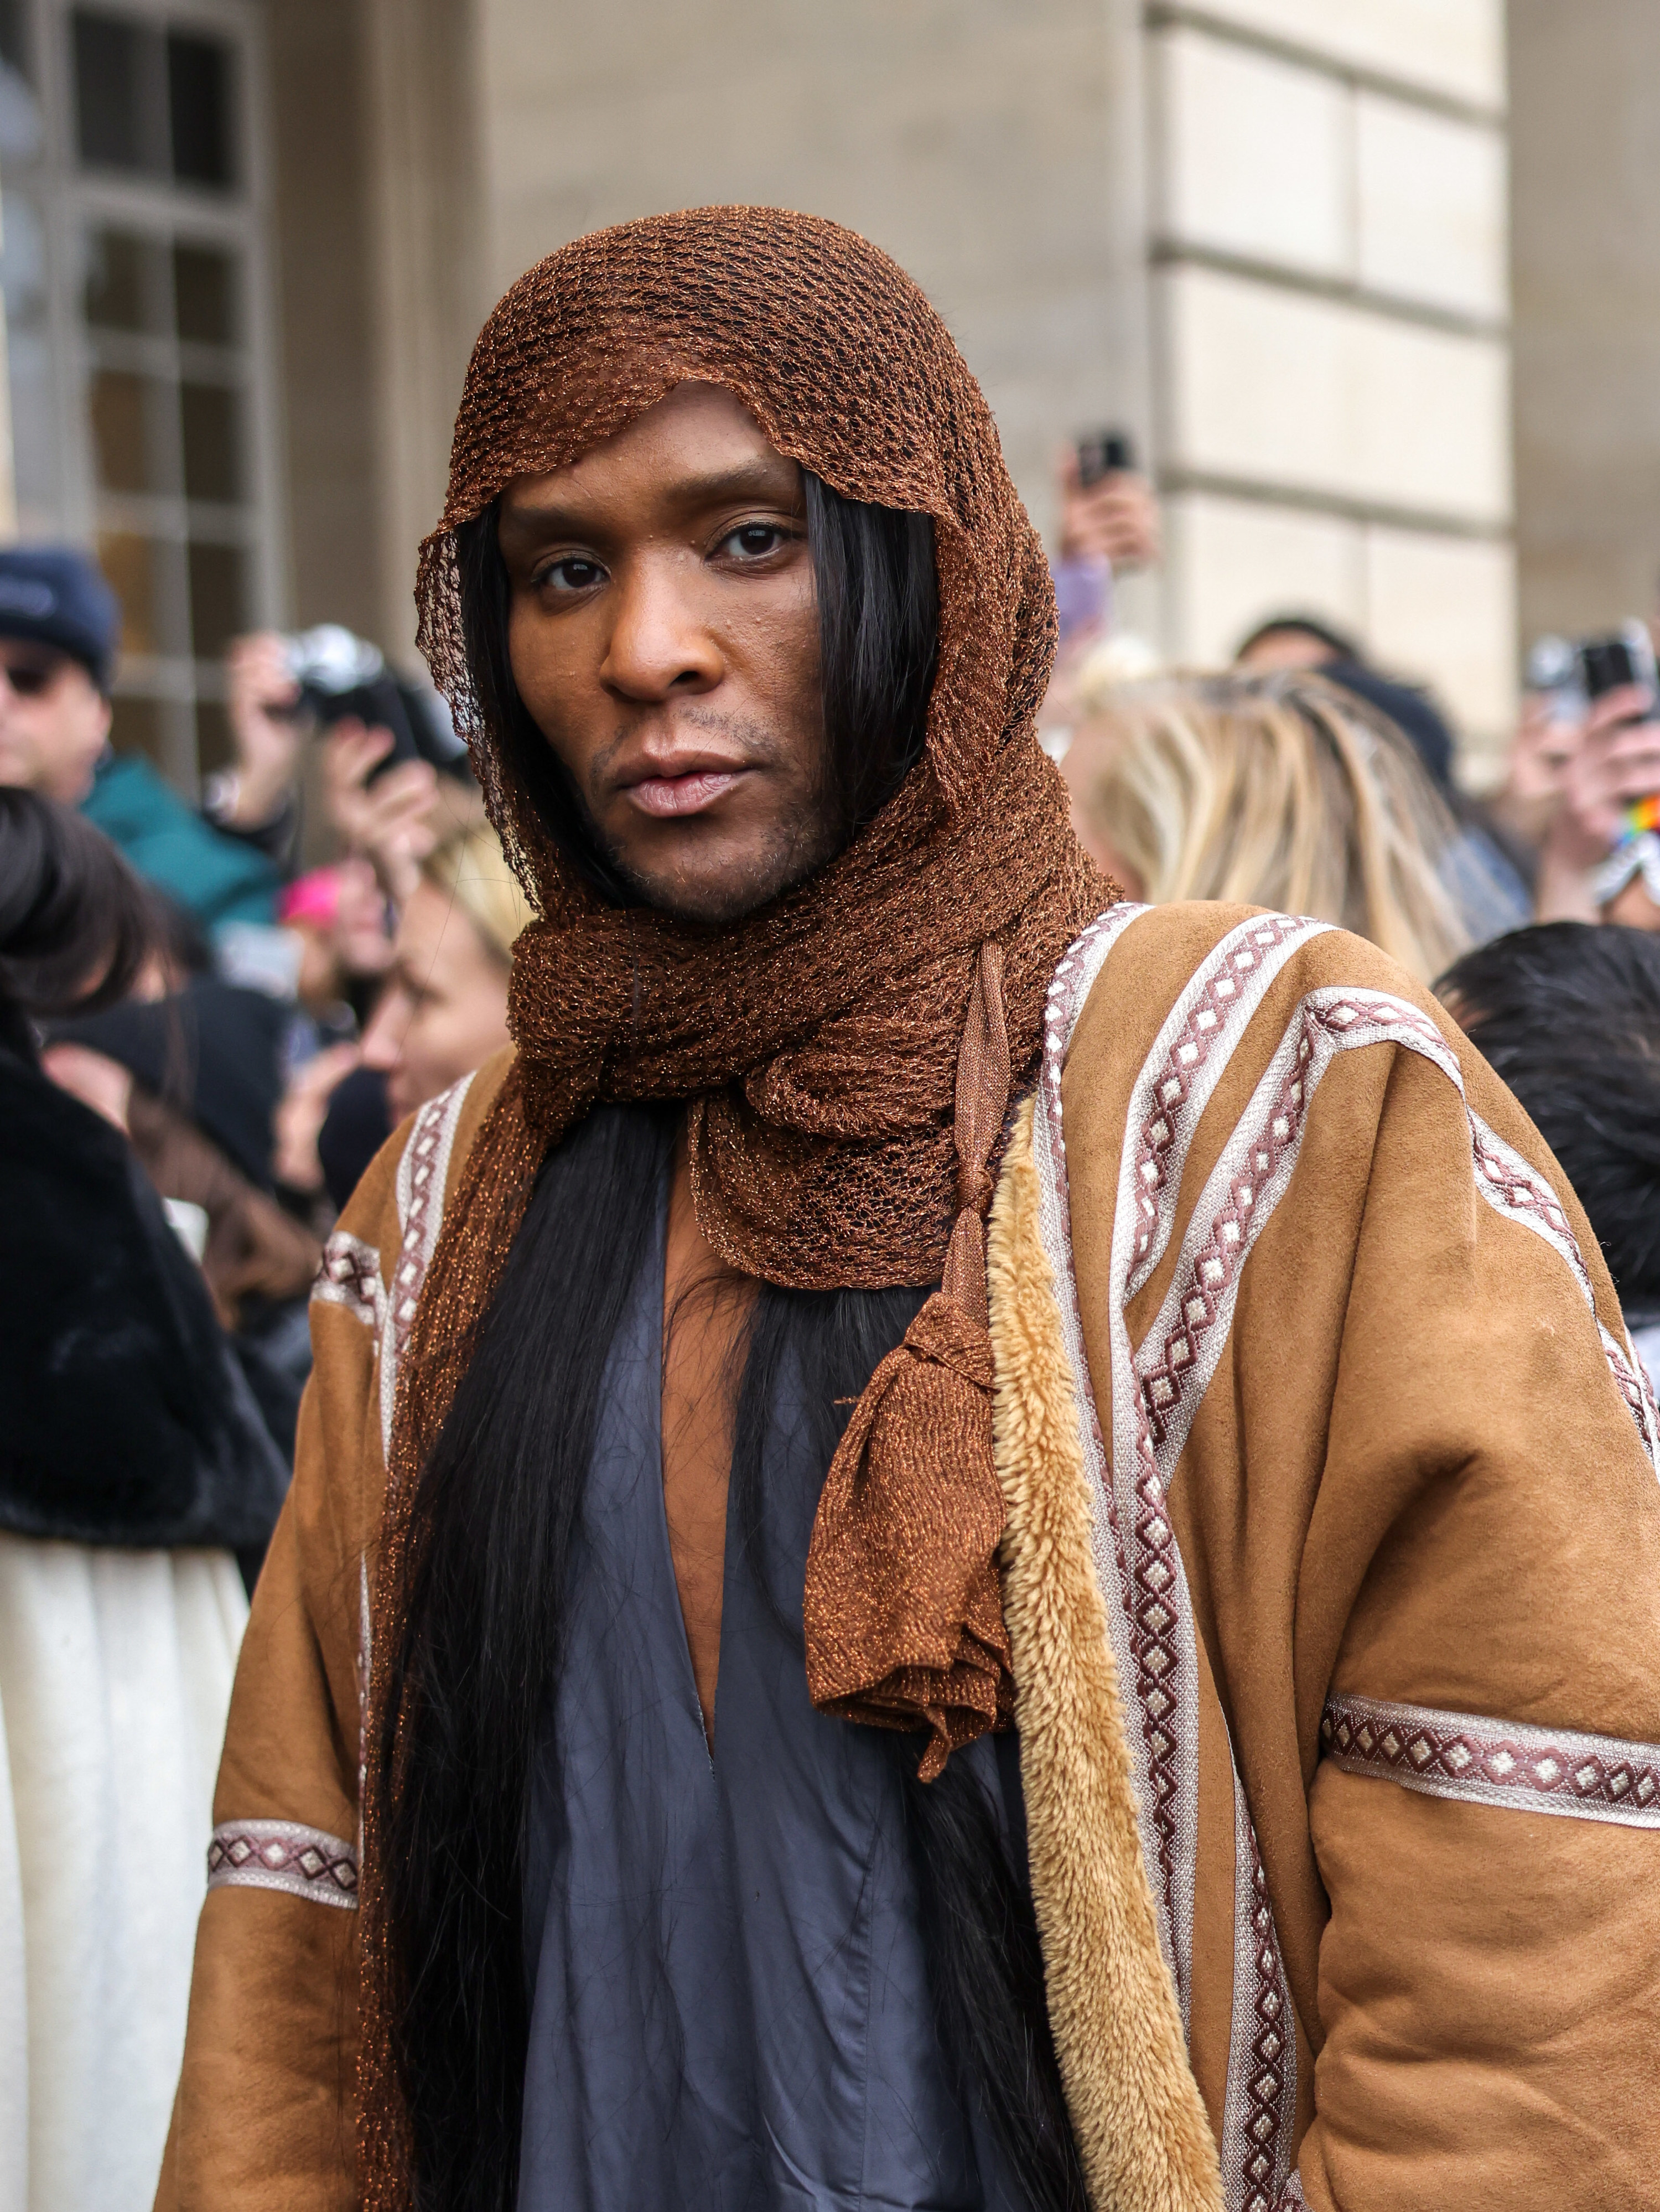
(698, 444)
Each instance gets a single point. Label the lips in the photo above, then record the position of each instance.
(666, 797)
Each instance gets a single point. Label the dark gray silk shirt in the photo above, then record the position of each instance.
(730, 2009)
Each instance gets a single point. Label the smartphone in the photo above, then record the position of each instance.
(1624, 656)
(1103, 453)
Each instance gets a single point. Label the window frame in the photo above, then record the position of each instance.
(73, 201)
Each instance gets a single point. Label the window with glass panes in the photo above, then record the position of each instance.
(134, 277)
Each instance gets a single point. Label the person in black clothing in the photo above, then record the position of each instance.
(135, 1472)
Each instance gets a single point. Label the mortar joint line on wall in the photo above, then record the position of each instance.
(1176, 476)
(1166, 252)
(1172, 14)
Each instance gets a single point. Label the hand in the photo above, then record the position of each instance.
(261, 694)
(301, 1113)
(389, 822)
(1115, 519)
(92, 1077)
(1618, 759)
(1540, 755)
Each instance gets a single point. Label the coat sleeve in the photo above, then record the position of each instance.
(1393, 1692)
(264, 2115)
(1484, 1809)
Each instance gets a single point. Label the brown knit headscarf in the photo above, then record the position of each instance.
(847, 1054)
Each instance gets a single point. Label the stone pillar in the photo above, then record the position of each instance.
(430, 289)
(1331, 336)
(1585, 136)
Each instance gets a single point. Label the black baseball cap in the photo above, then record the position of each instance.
(55, 596)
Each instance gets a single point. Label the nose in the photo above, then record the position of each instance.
(383, 1035)
(660, 641)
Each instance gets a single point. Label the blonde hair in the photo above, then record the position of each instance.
(468, 865)
(1278, 790)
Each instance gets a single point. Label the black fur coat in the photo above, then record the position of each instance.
(125, 1418)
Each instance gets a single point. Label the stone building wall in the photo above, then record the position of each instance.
(1269, 237)
(975, 140)
(1331, 356)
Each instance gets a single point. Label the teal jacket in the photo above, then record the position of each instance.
(219, 878)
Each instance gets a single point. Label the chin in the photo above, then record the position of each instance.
(716, 902)
(718, 894)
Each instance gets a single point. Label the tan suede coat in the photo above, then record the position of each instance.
(1332, 1573)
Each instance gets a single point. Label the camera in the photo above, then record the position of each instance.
(1624, 656)
(1102, 454)
(342, 677)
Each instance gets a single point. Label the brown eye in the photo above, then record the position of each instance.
(574, 572)
(753, 541)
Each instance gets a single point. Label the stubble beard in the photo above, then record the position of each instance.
(804, 837)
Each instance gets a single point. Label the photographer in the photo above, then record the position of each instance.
(1615, 765)
(59, 626)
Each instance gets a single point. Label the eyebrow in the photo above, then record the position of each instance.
(757, 479)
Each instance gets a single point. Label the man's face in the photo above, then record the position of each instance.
(664, 636)
(53, 721)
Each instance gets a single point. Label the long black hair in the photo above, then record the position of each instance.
(497, 1505)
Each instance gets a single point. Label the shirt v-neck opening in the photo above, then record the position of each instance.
(659, 1274)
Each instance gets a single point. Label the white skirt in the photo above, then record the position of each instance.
(115, 1676)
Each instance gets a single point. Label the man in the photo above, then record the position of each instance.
(59, 625)
(691, 1495)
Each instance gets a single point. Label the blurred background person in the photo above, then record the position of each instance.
(134, 1467)
(1491, 872)
(1278, 790)
(197, 1066)
(59, 625)
(1568, 1014)
(1110, 526)
(339, 915)
(1591, 867)
(444, 1010)
(1294, 642)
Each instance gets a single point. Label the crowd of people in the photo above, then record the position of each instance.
(214, 1014)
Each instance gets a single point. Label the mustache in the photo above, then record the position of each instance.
(755, 742)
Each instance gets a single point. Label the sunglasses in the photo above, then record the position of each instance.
(29, 678)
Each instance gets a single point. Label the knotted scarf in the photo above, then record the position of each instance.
(848, 1055)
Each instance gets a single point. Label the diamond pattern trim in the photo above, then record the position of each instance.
(1491, 1762)
(421, 1174)
(350, 1276)
(1175, 1087)
(286, 1855)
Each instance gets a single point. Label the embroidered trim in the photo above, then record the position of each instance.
(421, 1174)
(1489, 1762)
(286, 1855)
(1149, 1615)
(1260, 2106)
(1176, 1085)
(350, 1276)
(1214, 1009)
(1157, 1387)
(1513, 1187)
(1260, 1992)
